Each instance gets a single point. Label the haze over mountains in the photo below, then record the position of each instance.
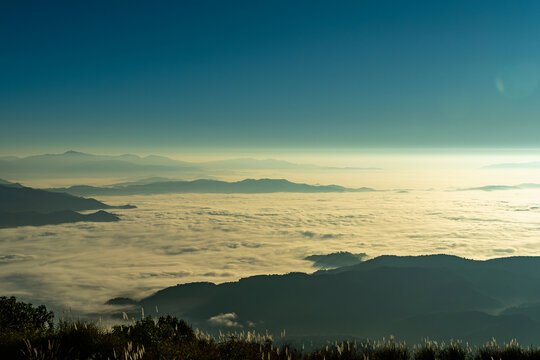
(248, 186)
(73, 164)
(438, 296)
(77, 164)
(503, 187)
(519, 165)
(412, 297)
(20, 198)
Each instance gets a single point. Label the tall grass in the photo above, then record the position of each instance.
(169, 338)
(38, 337)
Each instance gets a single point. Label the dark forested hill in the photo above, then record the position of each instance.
(20, 206)
(437, 296)
(14, 199)
(15, 219)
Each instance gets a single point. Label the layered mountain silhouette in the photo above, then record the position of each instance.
(268, 164)
(248, 186)
(77, 164)
(72, 164)
(503, 187)
(20, 206)
(438, 296)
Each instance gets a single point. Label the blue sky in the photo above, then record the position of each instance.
(272, 74)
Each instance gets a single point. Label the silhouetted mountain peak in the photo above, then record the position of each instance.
(73, 152)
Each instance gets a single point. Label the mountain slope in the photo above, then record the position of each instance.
(9, 183)
(10, 219)
(412, 297)
(16, 199)
(73, 164)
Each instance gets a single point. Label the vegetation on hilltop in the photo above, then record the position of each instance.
(28, 332)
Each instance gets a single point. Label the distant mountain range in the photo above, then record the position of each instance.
(503, 187)
(508, 166)
(20, 206)
(438, 296)
(76, 164)
(248, 186)
(268, 164)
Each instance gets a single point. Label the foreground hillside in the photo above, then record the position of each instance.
(28, 332)
(438, 296)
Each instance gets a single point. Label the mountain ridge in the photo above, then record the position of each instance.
(18, 199)
(22, 206)
(377, 297)
(33, 218)
(246, 186)
(79, 164)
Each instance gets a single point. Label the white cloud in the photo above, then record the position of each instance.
(227, 319)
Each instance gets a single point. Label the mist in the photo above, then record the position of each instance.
(170, 239)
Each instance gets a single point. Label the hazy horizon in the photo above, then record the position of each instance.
(380, 169)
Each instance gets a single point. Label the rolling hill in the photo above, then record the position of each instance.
(21, 206)
(437, 296)
(32, 218)
(16, 199)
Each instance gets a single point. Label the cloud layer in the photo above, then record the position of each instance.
(174, 239)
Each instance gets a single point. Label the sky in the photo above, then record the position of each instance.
(214, 75)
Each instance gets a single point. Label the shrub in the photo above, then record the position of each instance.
(18, 319)
(26, 332)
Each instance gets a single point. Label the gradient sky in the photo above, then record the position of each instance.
(218, 74)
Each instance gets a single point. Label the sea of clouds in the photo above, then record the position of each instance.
(171, 239)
